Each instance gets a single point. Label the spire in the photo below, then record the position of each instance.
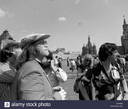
(124, 20)
(89, 44)
(89, 38)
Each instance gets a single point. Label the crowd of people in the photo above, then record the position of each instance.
(30, 71)
(103, 76)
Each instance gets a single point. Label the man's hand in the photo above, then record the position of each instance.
(59, 94)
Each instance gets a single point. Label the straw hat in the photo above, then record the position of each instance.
(32, 38)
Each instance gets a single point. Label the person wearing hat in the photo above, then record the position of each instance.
(7, 70)
(33, 83)
(85, 88)
(11, 47)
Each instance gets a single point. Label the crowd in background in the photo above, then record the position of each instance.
(30, 71)
(103, 75)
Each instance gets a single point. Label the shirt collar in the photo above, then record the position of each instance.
(37, 60)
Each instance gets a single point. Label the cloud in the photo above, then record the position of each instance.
(77, 2)
(2, 13)
(62, 19)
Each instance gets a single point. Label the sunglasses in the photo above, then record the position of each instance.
(41, 42)
(8, 53)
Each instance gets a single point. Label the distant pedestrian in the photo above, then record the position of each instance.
(68, 62)
(78, 64)
(73, 65)
(84, 88)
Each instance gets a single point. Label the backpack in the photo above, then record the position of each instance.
(76, 85)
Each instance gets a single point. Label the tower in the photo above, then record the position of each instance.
(124, 37)
(84, 50)
(94, 49)
(89, 46)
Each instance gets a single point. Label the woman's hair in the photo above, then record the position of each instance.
(106, 50)
(25, 56)
(30, 53)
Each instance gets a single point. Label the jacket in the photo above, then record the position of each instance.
(33, 83)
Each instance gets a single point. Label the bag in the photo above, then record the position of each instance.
(84, 92)
(83, 87)
(76, 85)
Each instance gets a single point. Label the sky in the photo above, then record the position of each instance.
(69, 22)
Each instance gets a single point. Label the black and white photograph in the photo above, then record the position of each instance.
(64, 50)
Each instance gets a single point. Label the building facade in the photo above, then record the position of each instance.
(89, 48)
